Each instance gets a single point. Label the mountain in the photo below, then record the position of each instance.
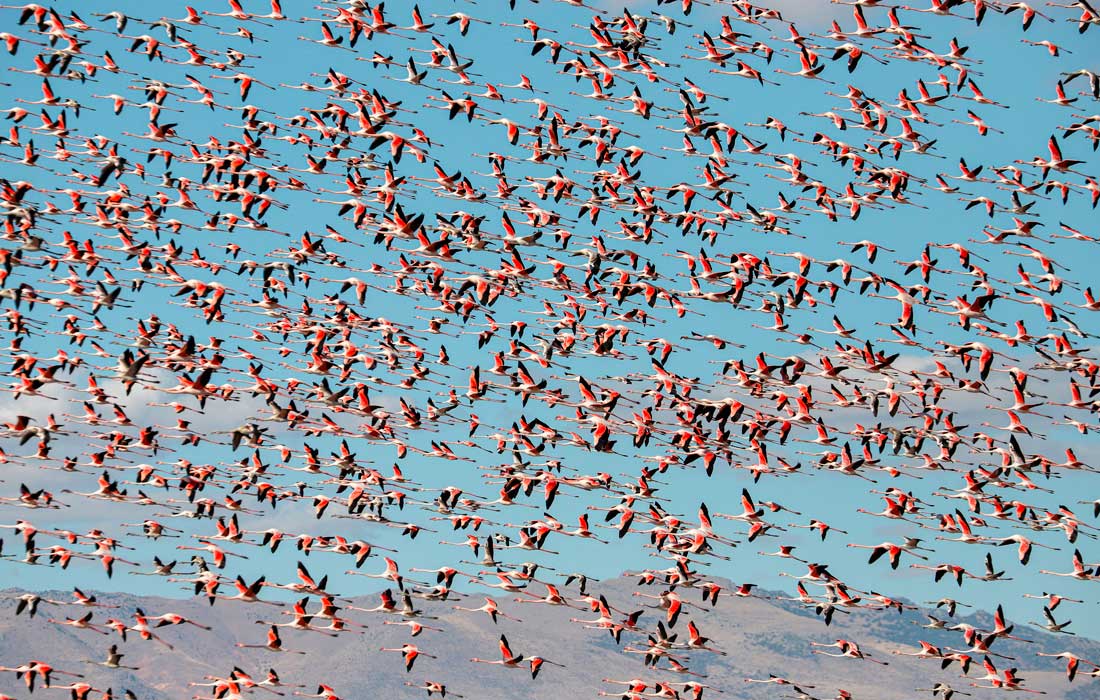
(760, 637)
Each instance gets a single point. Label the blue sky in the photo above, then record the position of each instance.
(1010, 72)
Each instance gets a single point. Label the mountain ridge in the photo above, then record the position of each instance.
(760, 636)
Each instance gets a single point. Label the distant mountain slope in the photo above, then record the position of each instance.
(761, 637)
